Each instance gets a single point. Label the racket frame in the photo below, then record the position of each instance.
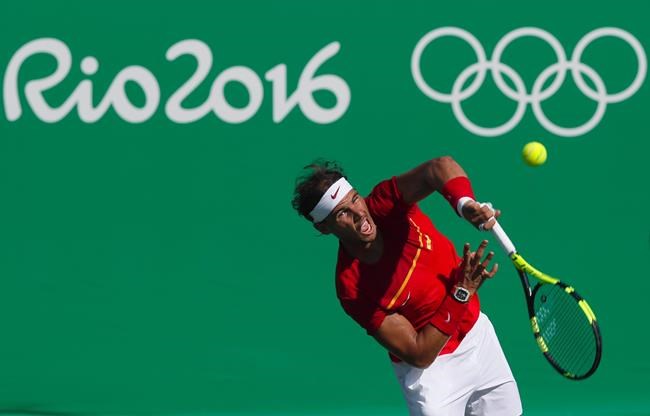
(525, 270)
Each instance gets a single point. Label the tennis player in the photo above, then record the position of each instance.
(401, 280)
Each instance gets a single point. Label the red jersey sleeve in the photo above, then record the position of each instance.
(386, 200)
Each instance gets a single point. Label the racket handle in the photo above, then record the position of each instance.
(503, 239)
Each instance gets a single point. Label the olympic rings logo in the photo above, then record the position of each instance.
(520, 94)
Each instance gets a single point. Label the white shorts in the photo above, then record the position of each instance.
(473, 380)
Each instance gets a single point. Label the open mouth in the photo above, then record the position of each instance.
(366, 228)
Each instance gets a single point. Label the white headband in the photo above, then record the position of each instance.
(330, 199)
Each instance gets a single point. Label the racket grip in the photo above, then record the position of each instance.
(503, 239)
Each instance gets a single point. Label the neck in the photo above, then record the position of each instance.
(369, 252)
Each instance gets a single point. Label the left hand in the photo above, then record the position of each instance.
(473, 270)
(482, 216)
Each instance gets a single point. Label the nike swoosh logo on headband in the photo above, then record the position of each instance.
(333, 196)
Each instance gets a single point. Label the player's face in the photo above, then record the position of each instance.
(350, 221)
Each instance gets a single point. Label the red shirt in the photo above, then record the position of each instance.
(413, 275)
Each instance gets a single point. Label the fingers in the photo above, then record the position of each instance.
(487, 259)
(487, 225)
(482, 215)
(472, 211)
(474, 267)
(494, 271)
(467, 256)
(480, 250)
(475, 259)
(486, 210)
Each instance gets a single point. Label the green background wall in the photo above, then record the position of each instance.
(158, 268)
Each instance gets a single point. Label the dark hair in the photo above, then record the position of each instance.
(311, 186)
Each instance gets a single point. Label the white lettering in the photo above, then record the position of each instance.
(174, 108)
(33, 89)
(116, 96)
(121, 103)
(248, 79)
(307, 85)
(82, 94)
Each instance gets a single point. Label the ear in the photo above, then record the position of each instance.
(322, 227)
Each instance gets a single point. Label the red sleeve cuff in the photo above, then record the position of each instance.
(456, 188)
(449, 315)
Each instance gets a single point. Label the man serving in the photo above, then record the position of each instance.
(400, 279)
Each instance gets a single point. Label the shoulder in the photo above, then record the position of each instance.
(386, 189)
(386, 199)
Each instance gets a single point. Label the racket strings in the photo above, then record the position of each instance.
(569, 355)
(574, 328)
(569, 336)
(565, 329)
(574, 356)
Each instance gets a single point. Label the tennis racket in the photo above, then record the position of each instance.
(564, 325)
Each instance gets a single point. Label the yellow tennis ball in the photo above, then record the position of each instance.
(534, 154)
